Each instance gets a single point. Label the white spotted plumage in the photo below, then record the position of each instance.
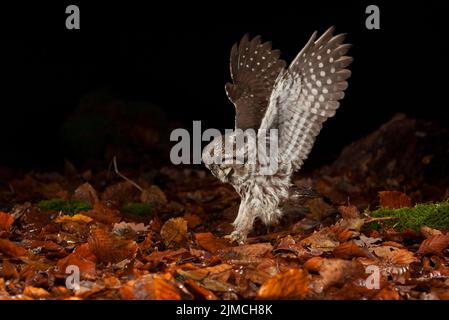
(296, 101)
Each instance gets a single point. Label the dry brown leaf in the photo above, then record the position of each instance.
(335, 272)
(394, 199)
(428, 232)
(6, 221)
(174, 230)
(349, 212)
(75, 218)
(83, 258)
(110, 248)
(323, 240)
(151, 287)
(388, 293)
(434, 244)
(314, 264)
(8, 270)
(11, 249)
(350, 249)
(200, 290)
(342, 233)
(247, 250)
(215, 272)
(153, 195)
(193, 220)
(36, 293)
(86, 193)
(382, 251)
(210, 242)
(400, 256)
(291, 284)
(103, 214)
(158, 256)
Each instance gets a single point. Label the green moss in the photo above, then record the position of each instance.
(138, 209)
(434, 215)
(70, 207)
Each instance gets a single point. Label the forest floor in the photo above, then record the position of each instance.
(377, 229)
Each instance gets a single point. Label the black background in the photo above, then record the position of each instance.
(176, 56)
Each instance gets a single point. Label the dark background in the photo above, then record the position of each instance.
(176, 56)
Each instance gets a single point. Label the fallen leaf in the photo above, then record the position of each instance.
(8, 270)
(36, 293)
(388, 293)
(429, 232)
(350, 249)
(86, 193)
(382, 251)
(174, 230)
(11, 249)
(401, 257)
(193, 220)
(123, 228)
(394, 199)
(349, 212)
(210, 242)
(150, 287)
(103, 214)
(83, 258)
(323, 240)
(153, 195)
(110, 248)
(200, 274)
(434, 244)
(75, 218)
(335, 272)
(291, 284)
(247, 250)
(200, 290)
(6, 221)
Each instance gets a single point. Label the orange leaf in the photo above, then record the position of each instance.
(192, 220)
(11, 249)
(200, 290)
(83, 258)
(150, 287)
(349, 212)
(349, 250)
(434, 244)
(394, 199)
(110, 248)
(6, 220)
(210, 242)
(174, 230)
(103, 214)
(388, 293)
(291, 284)
(314, 264)
(400, 256)
(36, 293)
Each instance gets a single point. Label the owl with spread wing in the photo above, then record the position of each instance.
(295, 101)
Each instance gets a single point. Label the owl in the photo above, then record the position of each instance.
(293, 103)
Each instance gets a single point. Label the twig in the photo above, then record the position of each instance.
(124, 177)
(371, 219)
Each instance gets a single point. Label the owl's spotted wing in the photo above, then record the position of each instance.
(307, 94)
(254, 69)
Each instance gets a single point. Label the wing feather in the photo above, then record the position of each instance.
(254, 69)
(307, 93)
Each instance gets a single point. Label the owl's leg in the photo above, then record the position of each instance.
(243, 224)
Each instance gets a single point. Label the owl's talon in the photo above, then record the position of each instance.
(236, 236)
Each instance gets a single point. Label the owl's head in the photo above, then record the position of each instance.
(224, 157)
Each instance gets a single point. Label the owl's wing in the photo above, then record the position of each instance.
(254, 69)
(307, 94)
